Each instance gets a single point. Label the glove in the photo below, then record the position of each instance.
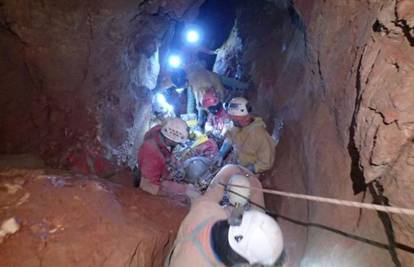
(218, 161)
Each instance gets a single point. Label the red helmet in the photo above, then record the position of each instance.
(210, 98)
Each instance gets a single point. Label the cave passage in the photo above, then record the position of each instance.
(141, 133)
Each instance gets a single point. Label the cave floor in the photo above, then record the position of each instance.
(67, 220)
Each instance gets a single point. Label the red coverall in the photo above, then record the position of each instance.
(153, 156)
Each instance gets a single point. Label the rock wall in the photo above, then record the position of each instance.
(75, 77)
(333, 80)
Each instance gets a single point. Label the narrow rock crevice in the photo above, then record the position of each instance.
(407, 30)
(357, 174)
(379, 199)
(379, 27)
(332, 81)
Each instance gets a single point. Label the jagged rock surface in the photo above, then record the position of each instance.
(75, 77)
(333, 80)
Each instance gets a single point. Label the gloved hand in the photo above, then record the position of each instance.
(218, 160)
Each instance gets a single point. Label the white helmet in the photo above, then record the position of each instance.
(241, 196)
(175, 129)
(258, 238)
(238, 106)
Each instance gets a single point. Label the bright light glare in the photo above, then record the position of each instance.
(174, 61)
(193, 36)
(180, 90)
(163, 102)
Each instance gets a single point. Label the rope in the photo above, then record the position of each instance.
(333, 201)
(327, 228)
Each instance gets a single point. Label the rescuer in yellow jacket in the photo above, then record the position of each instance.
(252, 146)
(198, 81)
(206, 238)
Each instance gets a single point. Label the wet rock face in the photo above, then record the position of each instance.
(333, 80)
(62, 220)
(76, 75)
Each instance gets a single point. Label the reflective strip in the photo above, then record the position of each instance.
(197, 243)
